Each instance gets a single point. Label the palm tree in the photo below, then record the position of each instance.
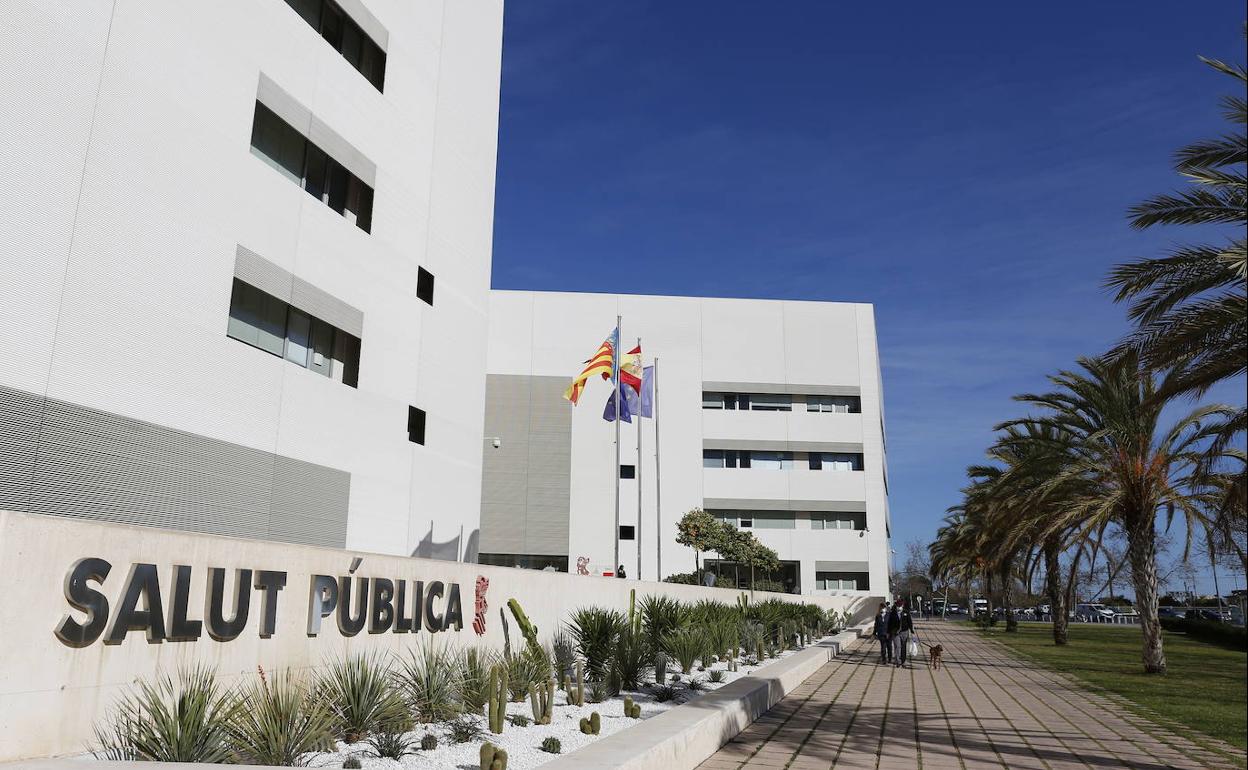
(1119, 467)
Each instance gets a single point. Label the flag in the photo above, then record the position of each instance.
(601, 362)
(645, 406)
(630, 369)
(628, 404)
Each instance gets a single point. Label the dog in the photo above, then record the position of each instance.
(934, 653)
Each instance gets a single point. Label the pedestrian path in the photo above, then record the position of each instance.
(985, 708)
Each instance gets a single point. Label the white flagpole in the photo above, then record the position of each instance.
(658, 503)
(638, 419)
(615, 383)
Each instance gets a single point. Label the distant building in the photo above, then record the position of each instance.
(769, 414)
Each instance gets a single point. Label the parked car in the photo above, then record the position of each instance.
(1171, 612)
(1094, 613)
(1213, 616)
(1044, 609)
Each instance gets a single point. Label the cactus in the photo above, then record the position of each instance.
(429, 742)
(551, 745)
(576, 695)
(498, 698)
(526, 628)
(743, 603)
(591, 725)
(631, 710)
(506, 635)
(492, 757)
(542, 700)
(759, 653)
(660, 668)
(634, 620)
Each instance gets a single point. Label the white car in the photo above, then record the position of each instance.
(1093, 612)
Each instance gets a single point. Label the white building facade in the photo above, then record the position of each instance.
(246, 266)
(769, 415)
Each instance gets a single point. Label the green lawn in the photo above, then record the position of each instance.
(1206, 687)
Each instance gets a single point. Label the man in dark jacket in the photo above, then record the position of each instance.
(880, 631)
(904, 627)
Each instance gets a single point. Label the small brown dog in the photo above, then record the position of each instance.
(934, 652)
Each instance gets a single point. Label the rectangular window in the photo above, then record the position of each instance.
(771, 461)
(774, 520)
(628, 471)
(270, 324)
(712, 400)
(416, 425)
(424, 286)
(712, 458)
(839, 404)
(345, 36)
(842, 581)
(837, 520)
(282, 146)
(771, 402)
(627, 532)
(835, 461)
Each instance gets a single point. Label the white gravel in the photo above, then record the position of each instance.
(523, 744)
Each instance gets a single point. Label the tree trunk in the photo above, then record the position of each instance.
(1007, 596)
(1142, 551)
(1053, 589)
(988, 592)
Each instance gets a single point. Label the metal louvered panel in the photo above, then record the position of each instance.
(255, 270)
(842, 566)
(97, 465)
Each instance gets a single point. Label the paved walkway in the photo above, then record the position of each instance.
(986, 708)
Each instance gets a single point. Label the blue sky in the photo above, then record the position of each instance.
(966, 167)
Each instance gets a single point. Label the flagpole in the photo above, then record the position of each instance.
(615, 383)
(640, 422)
(658, 506)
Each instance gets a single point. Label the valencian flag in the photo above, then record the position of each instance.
(601, 363)
(631, 387)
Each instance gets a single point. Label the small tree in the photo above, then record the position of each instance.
(747, 550)
(700, 531)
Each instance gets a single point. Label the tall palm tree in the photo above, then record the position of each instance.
(1120, 466)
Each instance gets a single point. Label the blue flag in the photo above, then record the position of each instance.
(628, 404)
(645, 406)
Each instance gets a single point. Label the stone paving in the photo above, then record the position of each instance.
(985, 708)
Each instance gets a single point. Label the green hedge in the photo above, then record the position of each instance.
(1221, 634)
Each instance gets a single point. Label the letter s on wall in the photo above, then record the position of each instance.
(83, 597)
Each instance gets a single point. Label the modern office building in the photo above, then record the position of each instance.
(246, 265)
(768, 414)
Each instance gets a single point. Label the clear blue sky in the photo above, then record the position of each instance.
(965, 167)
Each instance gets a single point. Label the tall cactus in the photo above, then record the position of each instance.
(542, 701)
(492, 757)
(660, 668)
(528, 629)
(498, 699)
(576, 695)
(506, 635)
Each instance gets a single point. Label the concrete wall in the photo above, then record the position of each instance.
(130, 187)
(712, 344)
(51, 693)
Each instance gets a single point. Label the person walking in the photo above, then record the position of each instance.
(892, 625)
(880, 631)
(905, 628)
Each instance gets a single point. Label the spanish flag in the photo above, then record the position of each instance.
(602, 362)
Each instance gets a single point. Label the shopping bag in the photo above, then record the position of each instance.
(914, 647)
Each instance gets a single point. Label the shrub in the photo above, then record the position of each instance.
(524, 669)
(475, 664)
(277, 722)
(696, 684)
(660, 617)
(663, 693)
(769, 585)
(551, 745)
(752, 634)
(429, 742)
(595, 630)
(686, 645)
(684, 578)
(598, 691)
(631, 659)
(1221, 634)
(431, 680)
(170, 720)
(391, 745)
(464, 729)
(716, 676)
(360, 696)
(709, 611)
(351, 763)
(722, 637)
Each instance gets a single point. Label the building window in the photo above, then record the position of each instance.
(712, 400)
(838, 520)
(424, 286)
(725, 458)
(627, 532)
(628, 471)
(771, 402)
(525, 561)
(346, 37)
(839, 404)
(282, 146)
(835, 461)
(416, 425)
(266, 322)
(842, 581)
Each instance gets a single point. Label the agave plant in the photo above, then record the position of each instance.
(564, 653)
(476, 664)
(431, 681)
(278, 722)
(524, 669)
(631, 658)
(660, 616)
(170, 719)
(596, 630)
(361, 697)
(686, 645)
